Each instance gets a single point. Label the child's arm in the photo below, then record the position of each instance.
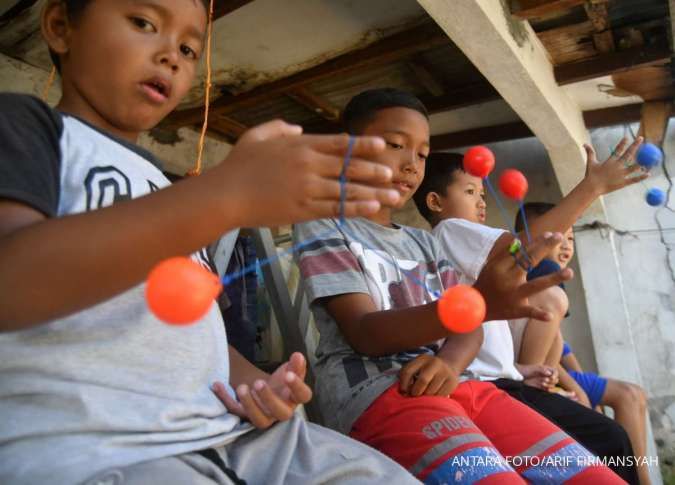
(54, 267)
(600, 179)
(570, 362)
(264, 398)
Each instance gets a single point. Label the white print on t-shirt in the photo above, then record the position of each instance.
(396, 283)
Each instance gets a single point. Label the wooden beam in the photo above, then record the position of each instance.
(598, 14)
(424, 75)
(385, 51)
(654, 120)
(479, 136)
(460, 98)
(618, 115)
(512, 131)
(224, 7)
(315, 103)
(227, 127)
(611, 63)
(530, 9)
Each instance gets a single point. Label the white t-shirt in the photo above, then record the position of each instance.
(467, 246)
(111, 385)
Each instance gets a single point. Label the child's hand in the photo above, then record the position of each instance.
(428, 375)
(617, 171)
(539, 376)
(272, 400)
(275, 175)
(503, 283)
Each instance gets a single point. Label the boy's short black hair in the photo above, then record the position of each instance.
(532, 211)
(75, 9)
(439, 172)
(362, 108)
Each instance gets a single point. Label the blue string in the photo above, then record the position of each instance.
(522, 215)
(343, 178)
(505, 217)
(497, 199)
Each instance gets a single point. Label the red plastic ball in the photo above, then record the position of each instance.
(180, 291)
(461, 309)
(479, 161)
(513, 184)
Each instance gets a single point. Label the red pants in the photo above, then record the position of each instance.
(479, 434)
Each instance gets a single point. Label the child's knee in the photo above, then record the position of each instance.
(554, 300)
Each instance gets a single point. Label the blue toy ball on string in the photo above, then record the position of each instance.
(649, 155)
(655, 197)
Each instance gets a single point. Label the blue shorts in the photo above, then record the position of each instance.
(592, 384)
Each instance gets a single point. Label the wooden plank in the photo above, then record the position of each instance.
(385, 51)
(570, 43)
(460, 98)
(226, 126)
(611, 63)
(618, 115)
(477, 136)
(651, 83)
(224, 7)
(598, 14)
(512, 131)
(654, 120)
(604, 41)
(315, 103)
(530, 9)
(424, 75)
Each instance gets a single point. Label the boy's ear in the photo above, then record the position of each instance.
(433, 201)
(55, 26)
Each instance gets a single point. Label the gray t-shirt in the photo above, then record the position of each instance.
(111, 385)
(398, 267)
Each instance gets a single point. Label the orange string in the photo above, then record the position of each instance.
(200, 147)
(50, 81)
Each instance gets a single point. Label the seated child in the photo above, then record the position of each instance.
(629, 401)
(93, 387)
(453, 203)
(380, 374)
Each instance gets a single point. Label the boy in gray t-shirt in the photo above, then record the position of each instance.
(388, 371)
(93, 387)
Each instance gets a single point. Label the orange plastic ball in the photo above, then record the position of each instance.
(180, 291)
(478, 161)
(513, 184)
(461, 309)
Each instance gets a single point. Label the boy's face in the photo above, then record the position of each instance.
(406, 133)
(563, 254)
(464, 199)
(128, 63)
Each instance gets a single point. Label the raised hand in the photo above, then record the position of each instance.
(276, 175)
(503, 283)
(618, 171)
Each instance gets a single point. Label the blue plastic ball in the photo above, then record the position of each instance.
(655, 197)
(649, 155)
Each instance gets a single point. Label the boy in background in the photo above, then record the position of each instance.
(453, 202)
(388, 371)
(628, 400)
